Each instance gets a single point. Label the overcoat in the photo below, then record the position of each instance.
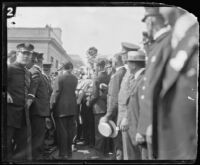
(16, 88)
(159, 53)
(175, 112)
(63, 98)
(40, 89)
(113, 90)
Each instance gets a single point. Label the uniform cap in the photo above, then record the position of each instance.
(25, 47)
(128, 47)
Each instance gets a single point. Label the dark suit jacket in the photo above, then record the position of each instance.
(113, 90)
(98, 102)
(176, 106)
(40, 89)
(159, 53)
(15, 87)
(64, 96)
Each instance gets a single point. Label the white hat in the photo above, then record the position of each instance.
(108, 129)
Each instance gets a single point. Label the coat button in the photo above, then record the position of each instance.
(153, 59)
(142, 97)
(143, 87)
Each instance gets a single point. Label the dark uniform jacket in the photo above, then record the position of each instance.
(176, 107)
(63, 97)
(98, 102)
(159, 52)
(113, 90)
(16, 88)
(39, 89)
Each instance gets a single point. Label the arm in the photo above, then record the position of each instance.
(56, 92)
(35, 81)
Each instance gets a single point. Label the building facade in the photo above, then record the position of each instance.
(46, 40)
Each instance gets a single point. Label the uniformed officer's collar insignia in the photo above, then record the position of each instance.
(178, 61)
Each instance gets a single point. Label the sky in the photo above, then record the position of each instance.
(83, 27)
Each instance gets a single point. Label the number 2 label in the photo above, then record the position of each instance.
(10, 11)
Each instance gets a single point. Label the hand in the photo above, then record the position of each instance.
(139, 138)
(104, 119)
(9, 98)
(124, 125)
(28, 103)
(149, 134)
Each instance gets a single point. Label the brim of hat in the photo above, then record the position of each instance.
(137, 60)
(115, 132)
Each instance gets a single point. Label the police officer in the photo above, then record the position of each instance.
(158, 53)
(18, 85)
(40, 107)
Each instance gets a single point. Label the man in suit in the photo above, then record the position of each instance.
(175, 101)
(39, 95)
(158, 53)
(63, 104)
(112, 98)
(136, 64)
(123, 93)
(99, 102)
(18, 78)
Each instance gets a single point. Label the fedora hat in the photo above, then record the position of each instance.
(108, 129)
(136, 55)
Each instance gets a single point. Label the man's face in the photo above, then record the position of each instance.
(24, 57)
(149, 26)
(124, 58)
(131, 66)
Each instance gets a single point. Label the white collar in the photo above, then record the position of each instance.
(139, 72)
(181, 26)
(162, 31)
(38, 67)
(119, 67)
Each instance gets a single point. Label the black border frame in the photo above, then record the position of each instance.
(4, 71)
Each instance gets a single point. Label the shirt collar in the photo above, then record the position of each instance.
(38, 67)
(118, 68)
(139, 72)
(162, 31)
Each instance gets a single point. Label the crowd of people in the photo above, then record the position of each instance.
(141, 105)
